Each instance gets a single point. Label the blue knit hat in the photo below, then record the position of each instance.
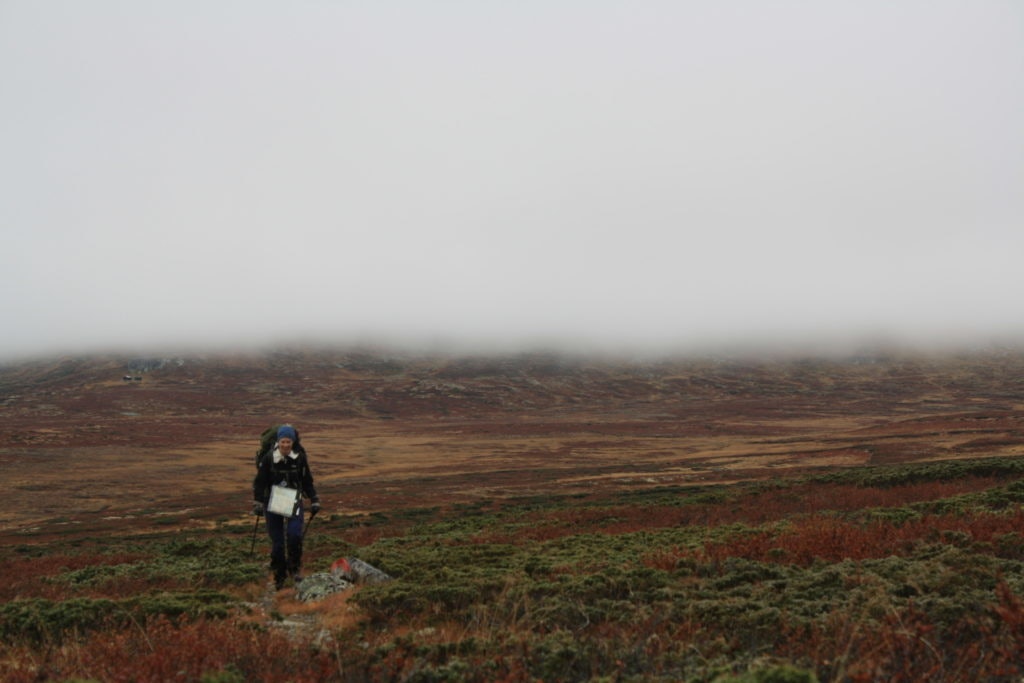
(286, 432)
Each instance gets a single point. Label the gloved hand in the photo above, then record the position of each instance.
(257, 508)
(315, 506)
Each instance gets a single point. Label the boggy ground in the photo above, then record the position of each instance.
(86, 443)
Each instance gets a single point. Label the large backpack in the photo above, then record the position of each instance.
(268, 439)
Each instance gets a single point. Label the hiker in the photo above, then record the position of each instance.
(282, 478)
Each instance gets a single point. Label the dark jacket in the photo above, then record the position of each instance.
(291, 472)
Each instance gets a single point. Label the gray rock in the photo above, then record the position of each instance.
(343, 575)
(318, 586)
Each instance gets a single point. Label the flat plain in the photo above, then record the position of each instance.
(117, 441)
(544, 517)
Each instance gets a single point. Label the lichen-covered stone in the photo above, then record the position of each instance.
(343, 575)
(319, 586)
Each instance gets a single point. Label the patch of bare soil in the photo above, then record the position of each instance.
(86, 446)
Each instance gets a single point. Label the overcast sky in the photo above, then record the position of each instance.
(594, 173)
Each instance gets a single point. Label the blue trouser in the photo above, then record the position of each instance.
(285, 543)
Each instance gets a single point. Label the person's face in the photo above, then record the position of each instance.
(284, 444)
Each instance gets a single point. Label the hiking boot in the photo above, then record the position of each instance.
(279, 582)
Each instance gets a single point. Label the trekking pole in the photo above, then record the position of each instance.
(305, 527)
(254, 530)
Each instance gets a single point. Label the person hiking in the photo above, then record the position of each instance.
(282, 478)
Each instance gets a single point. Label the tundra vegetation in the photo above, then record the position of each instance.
(906, 572)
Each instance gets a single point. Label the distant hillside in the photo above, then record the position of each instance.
(239, 392)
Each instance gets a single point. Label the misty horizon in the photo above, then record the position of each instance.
(755, 351)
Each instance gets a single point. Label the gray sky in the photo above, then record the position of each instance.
(596, 173)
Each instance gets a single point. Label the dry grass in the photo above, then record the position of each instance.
(85, 448)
